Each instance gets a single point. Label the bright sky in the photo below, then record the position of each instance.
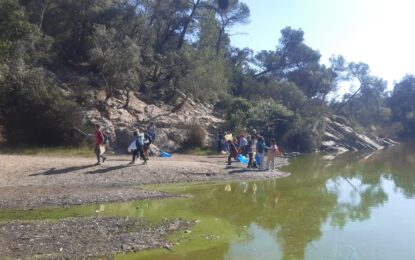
(377, 32)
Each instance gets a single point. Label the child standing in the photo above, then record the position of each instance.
(271, 154)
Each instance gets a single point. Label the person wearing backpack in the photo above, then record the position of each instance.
(100, 140)
(260, 149)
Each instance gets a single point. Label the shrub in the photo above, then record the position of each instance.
(196, 137)
(35, 112)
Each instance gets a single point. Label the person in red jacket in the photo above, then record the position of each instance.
(233, 151)
(99, 145)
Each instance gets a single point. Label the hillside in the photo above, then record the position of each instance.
(127, 63)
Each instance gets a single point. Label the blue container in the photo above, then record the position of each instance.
(164, 154)
(242, 159)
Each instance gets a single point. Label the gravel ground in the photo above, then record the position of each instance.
(81, 238)
(28, 182)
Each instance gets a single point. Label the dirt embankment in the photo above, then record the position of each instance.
(28, 182)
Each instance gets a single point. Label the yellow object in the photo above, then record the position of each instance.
(228, 188)
(229, 137)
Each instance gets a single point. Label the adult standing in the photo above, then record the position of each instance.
(151, 129)
(233, 151)
(251, 152)
(260, 149)
(147, 142)
(243, 145)
(99, 145)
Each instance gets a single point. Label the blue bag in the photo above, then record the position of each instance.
(164, 154)
(242, 159)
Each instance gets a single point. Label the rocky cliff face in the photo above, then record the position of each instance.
(340, 137)
(172, 123)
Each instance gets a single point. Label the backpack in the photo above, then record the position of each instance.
(106, 138)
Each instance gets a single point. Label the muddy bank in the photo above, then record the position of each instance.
(28, 182)
(80, 238)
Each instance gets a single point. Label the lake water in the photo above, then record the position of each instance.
(353, 207)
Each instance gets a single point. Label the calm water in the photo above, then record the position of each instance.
(353, 207)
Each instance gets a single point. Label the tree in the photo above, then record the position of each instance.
(118, 59)
(402, 103)
(235, 12)
(291, 55)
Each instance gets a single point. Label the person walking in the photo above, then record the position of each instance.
(139, 142)
(99, 145)
(271, 154)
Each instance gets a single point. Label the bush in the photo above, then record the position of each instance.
(35, 112)
(196, 137)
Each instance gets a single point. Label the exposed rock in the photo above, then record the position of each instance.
(172, 123)
(340, 137)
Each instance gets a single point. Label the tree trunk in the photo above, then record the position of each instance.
(350, 98)
(108, 89)
(186, 25)
(45, 5)
(219, 41)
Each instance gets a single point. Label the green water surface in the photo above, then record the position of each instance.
(353, 207)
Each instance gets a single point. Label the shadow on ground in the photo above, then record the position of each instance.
(54, 171)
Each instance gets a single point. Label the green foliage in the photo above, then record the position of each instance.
(237, 113)
(173, 51)
(206, 79)
(34, 111)
(118, 59)
(402, 104)
(196, 137)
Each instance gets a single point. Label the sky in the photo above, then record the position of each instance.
(380, 33)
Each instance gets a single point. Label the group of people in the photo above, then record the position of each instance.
(142, 141)
(253, 147)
